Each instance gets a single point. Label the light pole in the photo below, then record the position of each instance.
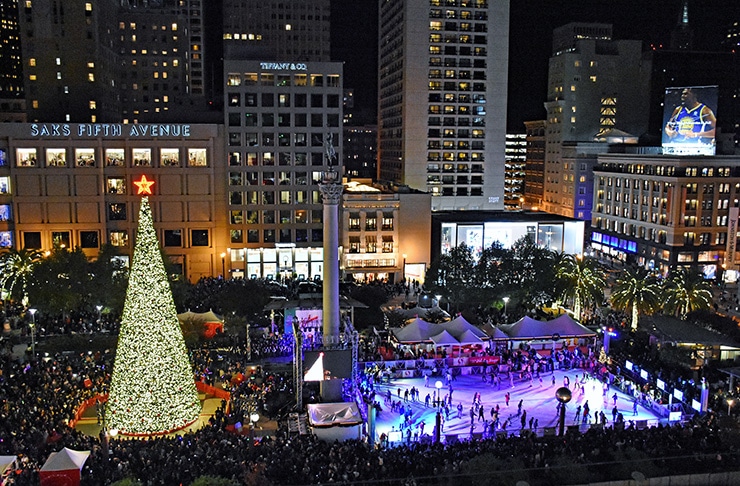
(33, 332)
(438, 418)
(223, 265)
(439, 301)
(730, 402)
(563, 395)
(253, 418)
(403, 273)
(506, 304)
(100, 309)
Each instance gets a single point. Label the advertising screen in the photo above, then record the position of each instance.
(689, 120)
(336, 363)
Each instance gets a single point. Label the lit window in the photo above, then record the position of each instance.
(35, 103)
(59, 75)
(91, 65)
(59, 61)
(32, 61)
(32, 77)
(93, 105)
(288, 27)
(572, 87)
(88, 7)
(174, 26)
(572, 119)
(577, 63)
(175, 62)
(593, 79)
(91, 77)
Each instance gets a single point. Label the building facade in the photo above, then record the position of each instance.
(534, 167)
(664, 211)
(442, 90)
(281, 118)
(516, 156)
(72, 185)
(374, 219)
(595, 85)
(279, 30)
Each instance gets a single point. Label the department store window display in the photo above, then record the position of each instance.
(5, 185)
(197, 157)
(118, 238)
(173, 238)
(114, 157)
(26, 157)
(6, 239)
(4, 212)
(3, 158)
(117, 212)
(89, 239)
(116, 185)
(56, 157)
(85, 157)
(32, 240)
(60, 239)
(142, 157)
(169, 157)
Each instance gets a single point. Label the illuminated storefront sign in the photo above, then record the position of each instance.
(142, 130)
(283, 66)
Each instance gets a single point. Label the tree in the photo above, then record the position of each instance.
(453, 275)
(16, 268)
(581, 279)
(152, 388)
(110, 277)
(685, 291)
(61, 282)
(636, 291)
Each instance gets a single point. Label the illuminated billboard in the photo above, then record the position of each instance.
(689, 120)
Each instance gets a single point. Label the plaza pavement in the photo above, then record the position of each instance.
(538, 400)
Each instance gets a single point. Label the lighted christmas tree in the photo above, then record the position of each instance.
(152, 387)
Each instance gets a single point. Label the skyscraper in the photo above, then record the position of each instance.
(596, 85)
(443, 67)
(285, 30)
(11, 72)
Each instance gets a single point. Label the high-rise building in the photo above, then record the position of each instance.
(534, 168)
(11, 70)
(282, 121)
(360, 152)
(284, 30)
(516, 156)
(443, 69)
(114, 61)
(596, 86)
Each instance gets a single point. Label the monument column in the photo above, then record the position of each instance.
(331, 192)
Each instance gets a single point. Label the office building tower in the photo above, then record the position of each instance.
(360, 152)
(597, 87)
(516, 155)
(534, 167)
(11, 70)
(284, 30)
(442, 99)
(109, 62)
(280, 118)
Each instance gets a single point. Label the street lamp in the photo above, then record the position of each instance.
(253, 418)
(33, 332)
(563, 395)
(438, 418)
(223, 265)
(730, 402)
(100, 309)
(506, 303)
(439, 301)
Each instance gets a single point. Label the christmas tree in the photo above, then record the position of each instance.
(152, 387)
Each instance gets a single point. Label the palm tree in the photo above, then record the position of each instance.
(16, 267)
(636, 291)
(581, 279)
(685, 291)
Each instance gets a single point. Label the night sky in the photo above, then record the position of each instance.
(354, 40)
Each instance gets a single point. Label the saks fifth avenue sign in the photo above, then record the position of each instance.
(82, 130)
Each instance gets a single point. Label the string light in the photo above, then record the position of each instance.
(152, 386)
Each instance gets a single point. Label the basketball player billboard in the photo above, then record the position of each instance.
(690, 121)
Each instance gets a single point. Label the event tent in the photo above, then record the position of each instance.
(335, 421)
(209, 320)
(561, 327)
(420, 331)
(63, 468)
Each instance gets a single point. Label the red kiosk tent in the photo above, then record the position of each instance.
(63, 468)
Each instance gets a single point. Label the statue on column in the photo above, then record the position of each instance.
(329, 151)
